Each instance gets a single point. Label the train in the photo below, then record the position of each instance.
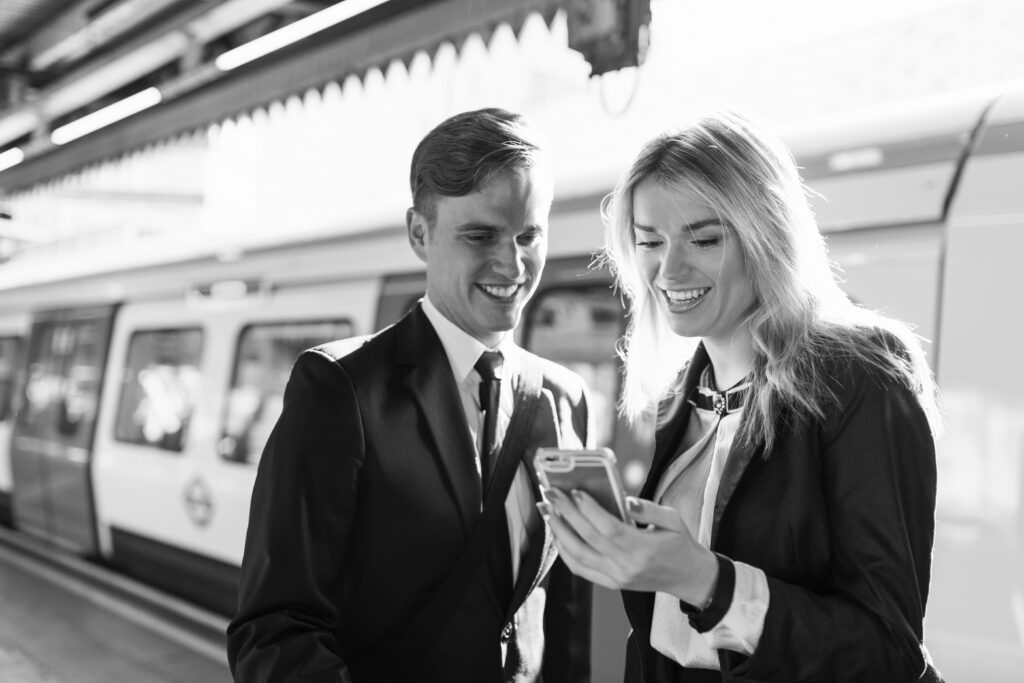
(134, 403)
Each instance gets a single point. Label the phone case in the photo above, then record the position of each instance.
(593, 471)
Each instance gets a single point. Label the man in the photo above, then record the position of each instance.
(377, 473)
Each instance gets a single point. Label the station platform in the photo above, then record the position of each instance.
(58, 626)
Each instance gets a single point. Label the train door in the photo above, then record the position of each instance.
(12, 351)
(151, 418)
(51, 448)
(576, 320)
(975, 621)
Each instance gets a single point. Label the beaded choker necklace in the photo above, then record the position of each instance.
(721, 402)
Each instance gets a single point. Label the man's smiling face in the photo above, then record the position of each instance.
(485, 251)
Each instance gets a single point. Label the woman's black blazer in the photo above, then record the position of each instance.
(840, 516)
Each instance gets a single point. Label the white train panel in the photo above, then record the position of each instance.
(187, 488)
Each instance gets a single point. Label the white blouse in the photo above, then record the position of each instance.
(690, 485)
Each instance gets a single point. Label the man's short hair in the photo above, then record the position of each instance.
(465, 151)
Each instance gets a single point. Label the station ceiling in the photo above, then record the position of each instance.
(74, 58)
(19, 18)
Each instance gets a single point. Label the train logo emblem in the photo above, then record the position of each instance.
(198, 502)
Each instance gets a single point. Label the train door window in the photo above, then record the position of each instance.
(266, 353)
(63, 381)
(399, 295)
(160, 388)
(578, 327)
(11, 349)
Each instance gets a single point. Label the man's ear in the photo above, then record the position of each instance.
(416, 226)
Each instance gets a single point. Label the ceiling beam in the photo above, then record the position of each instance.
(351, 48)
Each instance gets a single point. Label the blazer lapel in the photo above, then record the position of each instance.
(739, 458)
(432, 385)
(673, 417)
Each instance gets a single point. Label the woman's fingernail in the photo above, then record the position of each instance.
(545, 510)
(577, 495)
(633, 504)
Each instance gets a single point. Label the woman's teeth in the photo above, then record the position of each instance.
(683, 299)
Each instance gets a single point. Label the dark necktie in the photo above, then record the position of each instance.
(489, 368)
(499, 555)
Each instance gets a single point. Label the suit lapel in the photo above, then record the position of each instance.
(432, 385)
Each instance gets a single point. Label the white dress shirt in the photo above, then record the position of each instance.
(463, 352)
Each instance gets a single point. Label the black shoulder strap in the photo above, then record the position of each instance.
(433, 617)
(513, 446)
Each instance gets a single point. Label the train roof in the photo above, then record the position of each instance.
(905, 156)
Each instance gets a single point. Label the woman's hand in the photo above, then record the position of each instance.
(664, 556)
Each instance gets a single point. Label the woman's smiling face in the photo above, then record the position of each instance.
(691, 262)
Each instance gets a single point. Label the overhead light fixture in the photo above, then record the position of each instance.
(294, 32)
(122, 109)
(11, 157)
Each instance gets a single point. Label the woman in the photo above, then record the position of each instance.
(785, 530)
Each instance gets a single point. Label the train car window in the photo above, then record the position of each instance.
(266, 353)
(11, 349)
(398, 296)
(578, 328)
(63, 381)
(160, 388)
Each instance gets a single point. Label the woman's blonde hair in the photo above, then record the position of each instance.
(802, 321)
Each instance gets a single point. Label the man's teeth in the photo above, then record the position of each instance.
(686, 294)
(500, 292)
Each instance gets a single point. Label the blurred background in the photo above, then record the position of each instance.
(192, 192)
(320, 131)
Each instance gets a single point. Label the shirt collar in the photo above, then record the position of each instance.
(463, 349)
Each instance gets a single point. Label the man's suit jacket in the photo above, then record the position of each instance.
(366, 495)
(840, 517)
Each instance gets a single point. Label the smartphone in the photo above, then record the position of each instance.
(593, 471)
